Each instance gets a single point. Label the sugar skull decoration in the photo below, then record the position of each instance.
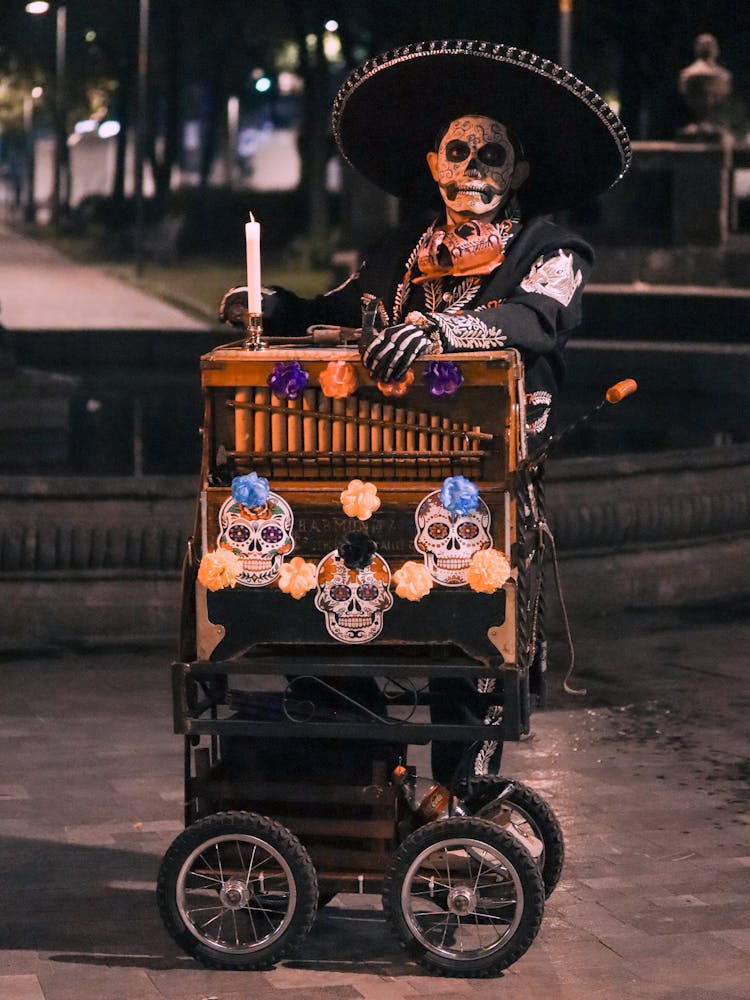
(448, 539)
(256, 524)
(354, 590)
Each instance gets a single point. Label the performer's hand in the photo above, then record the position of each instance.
(389, 354)
(233, 307)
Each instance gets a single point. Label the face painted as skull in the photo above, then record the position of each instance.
(447, 541)
(475, 167)
(353, 600)
(261, 537)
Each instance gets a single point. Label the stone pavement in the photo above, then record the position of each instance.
(41, 289)
(649, 774)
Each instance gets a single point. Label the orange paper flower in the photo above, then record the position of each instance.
(488, 571)
(413, 581)
(338, 379)
(297, 577)
(397, 388)
(219, 569)
(360, 499)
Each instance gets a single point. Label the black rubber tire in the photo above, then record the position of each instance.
(216, 870)
(531, 819)
(471, 882)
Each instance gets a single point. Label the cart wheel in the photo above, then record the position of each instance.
(237, 891)
(523, 813)
(464, 897)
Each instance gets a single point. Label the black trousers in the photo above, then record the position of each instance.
(458, 701)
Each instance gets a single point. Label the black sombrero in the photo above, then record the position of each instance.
(388, 113)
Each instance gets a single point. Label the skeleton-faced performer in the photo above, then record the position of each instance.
(492, 139)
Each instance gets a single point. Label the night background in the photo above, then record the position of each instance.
(278, 67)
(135, 136)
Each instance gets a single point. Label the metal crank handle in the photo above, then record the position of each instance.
(317, 336)
(615, 394)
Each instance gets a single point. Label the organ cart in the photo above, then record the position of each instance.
(326, 562)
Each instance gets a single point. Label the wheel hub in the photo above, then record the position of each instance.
(234, 894)
(462, 900)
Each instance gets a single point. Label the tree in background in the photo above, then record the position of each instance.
(203, 53)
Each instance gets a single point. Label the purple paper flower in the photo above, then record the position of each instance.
(443, 378)
(251, 490)
(459, 495)
(288, 379)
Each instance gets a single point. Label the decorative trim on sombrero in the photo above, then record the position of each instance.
(499, 53)
(564, 78)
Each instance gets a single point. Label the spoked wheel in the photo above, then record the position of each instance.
(237, 891)
(525, 815)
(463, 897)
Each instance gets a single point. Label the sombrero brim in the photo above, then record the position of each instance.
(388, 113)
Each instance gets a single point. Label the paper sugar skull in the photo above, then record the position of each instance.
(353, 600)
(260, 536)
(448, 541)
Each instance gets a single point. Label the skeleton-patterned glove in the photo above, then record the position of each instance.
(389, 353)
(392, 352)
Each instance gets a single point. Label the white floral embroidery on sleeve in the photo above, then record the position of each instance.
(553, 277)
(466, 332)
(541, 403)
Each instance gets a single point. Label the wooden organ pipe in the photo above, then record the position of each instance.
(317, 437)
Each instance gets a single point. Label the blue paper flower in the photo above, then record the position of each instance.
(459, 495)
(288, 379)
(443, 378)
(250, 491)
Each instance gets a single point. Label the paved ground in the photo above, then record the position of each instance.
(40, 289)
(649, 774)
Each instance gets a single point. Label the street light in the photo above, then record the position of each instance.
(61, 159)
(564, 32)
(144, 15)
(28, 129)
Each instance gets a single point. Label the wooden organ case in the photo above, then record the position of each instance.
(309, 449)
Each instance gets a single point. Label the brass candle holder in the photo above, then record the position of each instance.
(254, 327)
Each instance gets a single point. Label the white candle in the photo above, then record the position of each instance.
(252, 245)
